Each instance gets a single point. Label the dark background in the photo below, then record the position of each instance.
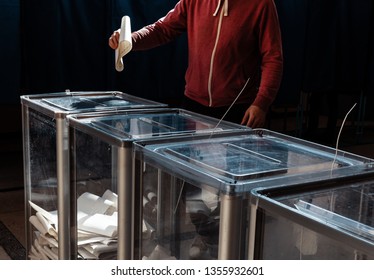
(54, 45)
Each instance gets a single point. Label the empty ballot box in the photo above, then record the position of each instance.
(332, 219)
(196, 190)
(102, 165)
(46, 157)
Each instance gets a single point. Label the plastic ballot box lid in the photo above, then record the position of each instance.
(78, 102)
(256, 158)
(127, 126)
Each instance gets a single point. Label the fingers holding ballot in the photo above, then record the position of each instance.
(113, 39)
(121, 42)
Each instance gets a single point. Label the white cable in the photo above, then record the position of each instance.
(224, 115)
(179, 198)
(337, 140)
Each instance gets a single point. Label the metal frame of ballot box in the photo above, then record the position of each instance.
(46, 113)
(258, 158)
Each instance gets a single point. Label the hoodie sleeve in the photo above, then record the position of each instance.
(270, 46)
(162, 31)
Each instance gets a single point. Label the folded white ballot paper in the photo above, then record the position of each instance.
(124, 43)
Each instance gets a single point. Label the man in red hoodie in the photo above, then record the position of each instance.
(235, 66)
(234, 55)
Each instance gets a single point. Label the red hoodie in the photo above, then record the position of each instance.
(229, 42)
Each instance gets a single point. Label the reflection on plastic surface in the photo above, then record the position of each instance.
(162, 124)
(334, 219)
(71, 103)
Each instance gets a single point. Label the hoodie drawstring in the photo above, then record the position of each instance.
(225, 8)
(224, 12)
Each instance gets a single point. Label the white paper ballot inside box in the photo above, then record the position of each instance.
(124, 43)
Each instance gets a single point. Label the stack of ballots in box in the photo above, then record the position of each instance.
(97, 228)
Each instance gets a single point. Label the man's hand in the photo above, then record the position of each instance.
(254, 117)
(113, 40)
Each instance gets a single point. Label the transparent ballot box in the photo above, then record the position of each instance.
(196, 190)
(102, 163)
(330, 220)
(46, 149)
